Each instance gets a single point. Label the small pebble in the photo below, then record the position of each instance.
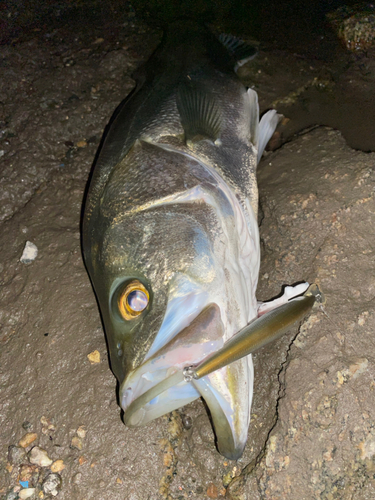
(28, 474)
(94, 357)
(82, 460)
(70, 153)
(27, 425)
(27, 439)
(69, 62)
(44, 421)
(77, 443)
(212, 491)
(81, 432)
(57, 466)
(26, 493)
(76, 479)
(47, 424)
(52, 484)
(11, 495)
(38, 456)
(29, 253)
(16, 455)
(187, 421)
(49, 429)
(227, 478)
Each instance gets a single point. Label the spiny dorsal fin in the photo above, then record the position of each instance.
(241, 51)
(200, 113)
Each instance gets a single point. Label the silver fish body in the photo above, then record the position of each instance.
(170, 234)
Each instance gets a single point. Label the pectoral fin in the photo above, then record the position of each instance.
(200, 113)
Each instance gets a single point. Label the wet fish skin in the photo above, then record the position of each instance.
(172, 203)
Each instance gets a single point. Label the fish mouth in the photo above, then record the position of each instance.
(158, 386)
(161, 384)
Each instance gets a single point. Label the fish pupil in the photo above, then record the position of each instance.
(137, 300)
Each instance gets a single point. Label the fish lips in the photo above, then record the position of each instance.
(158, 385)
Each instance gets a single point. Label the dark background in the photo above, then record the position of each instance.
(296, 25)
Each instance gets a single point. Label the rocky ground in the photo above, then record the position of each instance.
(313, 417)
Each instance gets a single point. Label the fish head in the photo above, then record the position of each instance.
(146, 283)
(162, 262)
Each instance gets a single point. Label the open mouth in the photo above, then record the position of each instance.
(158, 386)
(196, 362)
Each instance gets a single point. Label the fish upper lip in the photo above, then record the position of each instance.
(135, 411)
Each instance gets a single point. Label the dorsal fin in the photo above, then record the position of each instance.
(200, 113)
(241, 51)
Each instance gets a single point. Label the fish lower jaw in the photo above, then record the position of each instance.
(135, 419)
(153, 399)
(173, 392)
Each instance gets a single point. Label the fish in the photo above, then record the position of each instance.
(170, 236)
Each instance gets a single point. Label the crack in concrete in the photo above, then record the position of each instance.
(254, 464)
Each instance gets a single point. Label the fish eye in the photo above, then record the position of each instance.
(133, 300)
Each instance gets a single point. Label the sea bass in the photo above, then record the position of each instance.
(170, 236)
